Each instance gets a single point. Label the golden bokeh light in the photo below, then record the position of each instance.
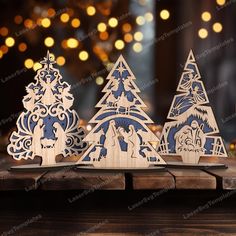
(101, 27)
(113, 22)
(4, 31)
(22, 47)
(45, 22)
(137, 47)
(64, 44)
(217, 27)
(18, 19)
(206, 16)
(103, 35)
(1, 54)
(91, 10)
(165, 14)
(220, 2)
(83, 55)
(10, 41)
(148, 16)
(29, 63)
(64, 17)
(49, 42)
(119, 44)
(28, 23)
(72, 43)
(126, 27)
(75, 23)
(140, 20)
(99, 80)
(51, 12)
(128, 37)
(61, 60)
(37, 66)
(138, 36)
(202, 33)
(4, 49)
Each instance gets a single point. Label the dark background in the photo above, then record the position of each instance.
(158, 67)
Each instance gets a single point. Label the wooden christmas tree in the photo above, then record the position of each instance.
(47, 127)
(121, 138)
(192, 133)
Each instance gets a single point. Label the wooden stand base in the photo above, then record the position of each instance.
(36, 167)
(201, 165)
(151, 167)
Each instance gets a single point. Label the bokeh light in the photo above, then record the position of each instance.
(37, 66)
(60, 60)
(217, 27)
(202, 33)
(220, 2)
(22, 47)
(126, 27)
(101, 27)
(49, 41)
(99, 80)
(113, 22)
(83, 55)
(10, 41)
(29, 63)
(64, 17)
(45, 22)
(91, 10)
(75, 23)
(128, 37)
(72, 43)
(119, 44)
(138, 36)
(140, 20)
(4, 31)
(206, 16)
(165, 14)
(137, 47)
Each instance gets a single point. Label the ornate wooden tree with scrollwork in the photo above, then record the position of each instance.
(47, 127)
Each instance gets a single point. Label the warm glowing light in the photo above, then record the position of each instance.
(61, 60)
(70, 11)
(4, 49)
(220, 2)
(231, 146)
(138, 36)
(104, 35)
(75, 23)
(64, 43)
(51, 12)
(128, 38)
(137, 47)
(202, 33)
(119, 44)
(113, 22)
(217, 27)
(4, 31)
(22, 47)
(206, 16)
(91, 10)
(148, 17)
(99, 80)
(101, 27)
(37, 66)
(126, 27)
(64, 17)
(72, 43)
(89, 127)
(140, 20)
(18, 19)
(49, 41)
(83, 56)
(1, 54)
(28, 23)
(45, 22)
(164, 14)
(29, 63)
(10, 41)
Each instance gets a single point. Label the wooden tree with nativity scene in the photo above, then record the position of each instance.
(47, 127)
(121, 138)
(192, 133)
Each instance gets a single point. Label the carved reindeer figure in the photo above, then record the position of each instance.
(95, 154)
(125, 103)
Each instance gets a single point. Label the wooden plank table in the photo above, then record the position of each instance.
(71, 178)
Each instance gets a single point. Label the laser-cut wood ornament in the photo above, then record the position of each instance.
(47, 127)
(193, 131)
(121, 138)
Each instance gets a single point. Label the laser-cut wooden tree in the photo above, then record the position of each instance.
(47, 127)
(192, 133)
(121, 138)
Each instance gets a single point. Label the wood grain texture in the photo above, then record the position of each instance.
(153, 180)
(193, 179)
(71, 179)
(19, 181)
